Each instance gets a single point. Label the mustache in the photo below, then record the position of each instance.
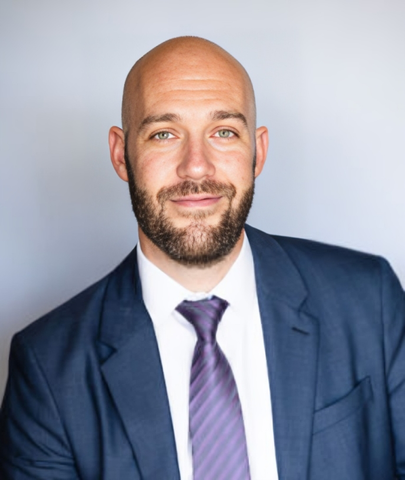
(188, 187)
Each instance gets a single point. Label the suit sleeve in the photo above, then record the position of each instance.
(393, 308)
(33, 444)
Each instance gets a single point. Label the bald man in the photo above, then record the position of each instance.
(213, 351)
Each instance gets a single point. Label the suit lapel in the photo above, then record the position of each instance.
(291, 341)
(291, 362)
(134, 375)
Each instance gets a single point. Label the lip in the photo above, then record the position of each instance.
(197, 201)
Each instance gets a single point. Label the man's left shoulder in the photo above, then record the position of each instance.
(320, 264)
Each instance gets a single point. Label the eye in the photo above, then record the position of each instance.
(163, 135)
(225, 133)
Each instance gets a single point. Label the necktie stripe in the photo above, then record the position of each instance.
(202, 405)
(201, 360)
(223, 430)
(203, 428)
(234, 471)
(216, 424)
(213, 466)
(208, 374)
(211, 389)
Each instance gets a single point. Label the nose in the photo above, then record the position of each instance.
(197, 162)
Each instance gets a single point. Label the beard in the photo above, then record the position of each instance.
(198, 244)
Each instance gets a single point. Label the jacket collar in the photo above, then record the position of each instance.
(277, 275)
(132, 369)
(291, 342)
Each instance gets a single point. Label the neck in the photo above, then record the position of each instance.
(194, 278)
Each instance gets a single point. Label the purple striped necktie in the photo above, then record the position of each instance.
(216, 424)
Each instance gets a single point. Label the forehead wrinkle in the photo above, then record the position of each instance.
(191, 85)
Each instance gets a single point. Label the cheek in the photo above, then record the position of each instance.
(237, 169)
(154, 172)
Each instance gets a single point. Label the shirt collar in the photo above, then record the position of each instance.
(161, 294)
(239, 283)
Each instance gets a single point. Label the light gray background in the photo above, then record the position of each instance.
(329, 79)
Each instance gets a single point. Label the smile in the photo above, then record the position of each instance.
(197, 201)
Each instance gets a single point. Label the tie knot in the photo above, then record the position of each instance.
(204, 315)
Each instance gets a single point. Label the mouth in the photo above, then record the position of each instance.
(197, 201)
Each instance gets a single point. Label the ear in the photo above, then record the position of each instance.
(116, 140)
(262, 144)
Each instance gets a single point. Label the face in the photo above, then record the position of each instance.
(190, 155)
(197, 244)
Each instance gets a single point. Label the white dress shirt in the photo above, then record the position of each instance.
(240, 337)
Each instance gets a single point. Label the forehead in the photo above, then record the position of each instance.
(191, 85)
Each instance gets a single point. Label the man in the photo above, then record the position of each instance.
(214, 351)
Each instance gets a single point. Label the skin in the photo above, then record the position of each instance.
(189, 114)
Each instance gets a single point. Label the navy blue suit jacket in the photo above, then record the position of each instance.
(86, 396)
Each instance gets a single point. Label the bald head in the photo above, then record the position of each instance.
(179, 59)
(190, 150)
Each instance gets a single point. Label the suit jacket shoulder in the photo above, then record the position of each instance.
(78, 319)
(85, 396)
(323, 273)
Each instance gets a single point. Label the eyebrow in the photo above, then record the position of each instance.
(166, 117)
(224, 115)
(173, 117)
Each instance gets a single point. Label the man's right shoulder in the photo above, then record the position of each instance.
(79, 316)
